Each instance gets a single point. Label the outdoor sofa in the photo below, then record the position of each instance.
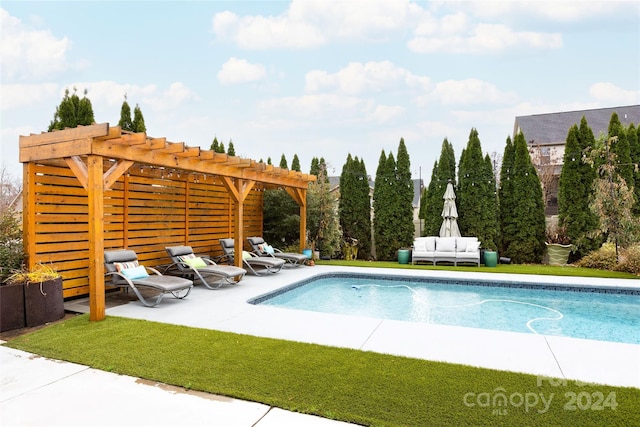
(446, 249)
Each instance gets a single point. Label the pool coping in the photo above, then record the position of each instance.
(228, 310)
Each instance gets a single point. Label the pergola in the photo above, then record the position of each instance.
(95, 187)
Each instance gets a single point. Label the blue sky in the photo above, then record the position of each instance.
(317, 78)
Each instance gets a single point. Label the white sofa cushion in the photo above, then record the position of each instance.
(431, 243)
(446, 244)
(420, 245)
(473, 246)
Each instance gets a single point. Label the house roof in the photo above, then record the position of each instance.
(552, 128)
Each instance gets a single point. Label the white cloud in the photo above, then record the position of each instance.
(483, 38)
(240, 71)
(26, 95)
(609, 93)
(357, 78)
(469, 91)
(307, 24)
(27, 53)
(553, 10)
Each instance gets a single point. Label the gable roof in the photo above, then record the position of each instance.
(552, 128)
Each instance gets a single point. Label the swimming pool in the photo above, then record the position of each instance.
(550, 309)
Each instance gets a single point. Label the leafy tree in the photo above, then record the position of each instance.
(283, 162)
(575, 190)
(613, 200)
(281, 218)
(72, 112)
(634, 148)
(295, 163)
(322, 223)
(355, 207)
(528, 219)
(125, 121)
(476, 194)
(507, 199)
(138, 120)
(231, 150)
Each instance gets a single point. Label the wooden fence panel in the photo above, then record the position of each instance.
(144, 210)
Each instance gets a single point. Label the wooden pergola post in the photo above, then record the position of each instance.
(238, 190)
(96, 189)
(300, 196)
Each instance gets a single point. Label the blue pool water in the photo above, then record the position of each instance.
(591, 314)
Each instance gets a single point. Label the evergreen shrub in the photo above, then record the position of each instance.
(602, 259)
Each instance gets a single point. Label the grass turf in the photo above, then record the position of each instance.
(540, 269)
(355, 386)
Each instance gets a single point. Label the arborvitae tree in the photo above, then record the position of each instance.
(355, 207)
(268, 160)
(428, 205)
(575, 190)
(381, 201)
(283, 162)
(322, 223)
(621, 149)
(315, 167)
(231, 150)
(221, 148)
(490, 213)
(138, 120)
(634, 148)
(215, 145)
(295, 163)
(476, 195)
(444, 170)
(72, 112)
(405, 192)
(125, 122)
(507, 199)
(527, 246)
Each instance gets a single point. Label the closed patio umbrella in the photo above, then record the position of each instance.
(449, 226)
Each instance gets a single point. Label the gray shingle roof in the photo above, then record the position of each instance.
(552, 128)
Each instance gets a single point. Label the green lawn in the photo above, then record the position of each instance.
(545, 270)
(355, 386)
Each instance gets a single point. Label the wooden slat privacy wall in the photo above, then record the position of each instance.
(96, 187)
(144, 210)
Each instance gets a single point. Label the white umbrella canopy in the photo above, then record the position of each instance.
(449, 226)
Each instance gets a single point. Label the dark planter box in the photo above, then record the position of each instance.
(12, 307)
(43, 302)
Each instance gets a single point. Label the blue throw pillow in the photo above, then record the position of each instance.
(135, 273)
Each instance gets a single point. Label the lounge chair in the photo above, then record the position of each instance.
(124, 270)
(261, 248)
(255, 264)
(185, 263)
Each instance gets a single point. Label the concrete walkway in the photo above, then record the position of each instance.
(101, 398)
